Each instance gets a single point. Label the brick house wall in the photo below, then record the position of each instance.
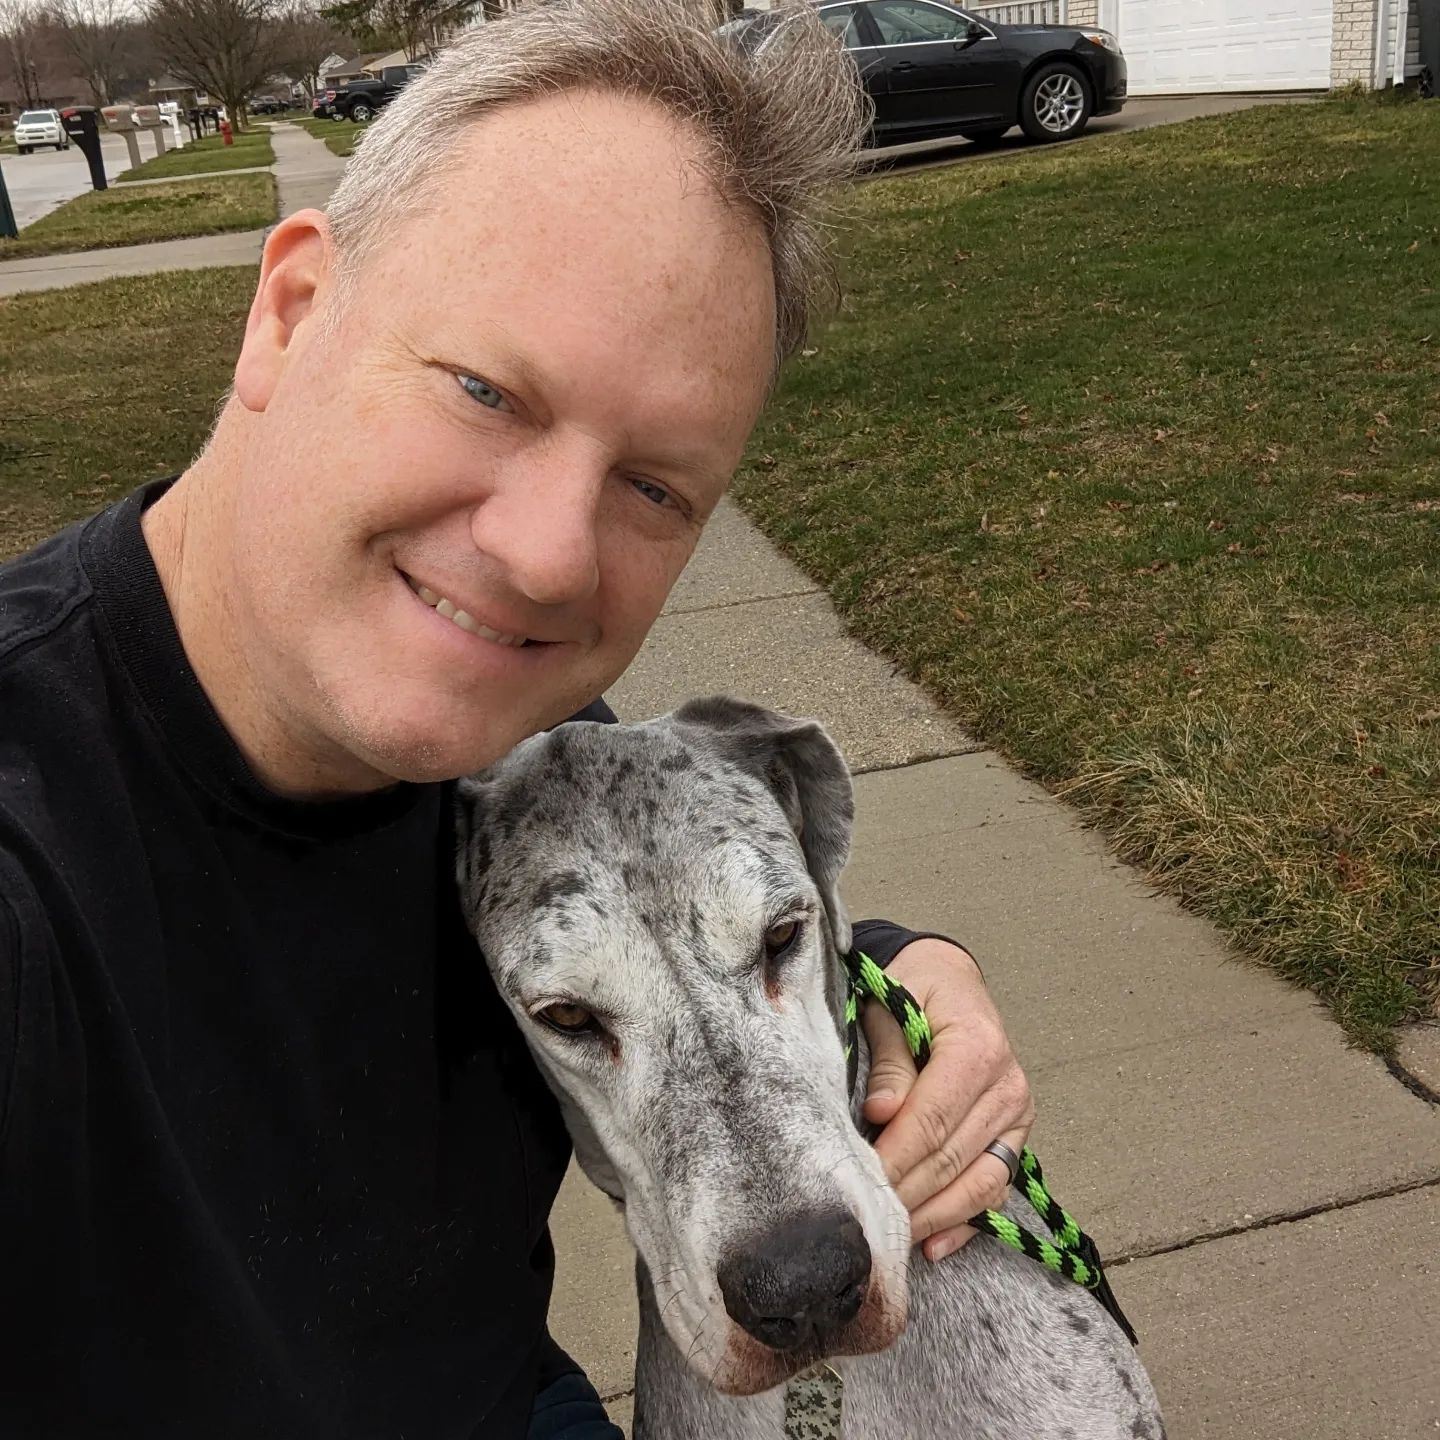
(1352, 42)
(1083, 12)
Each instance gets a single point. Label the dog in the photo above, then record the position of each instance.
(659, 907)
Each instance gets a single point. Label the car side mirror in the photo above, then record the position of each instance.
(974, 31)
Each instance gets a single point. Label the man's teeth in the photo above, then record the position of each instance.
(465, 621)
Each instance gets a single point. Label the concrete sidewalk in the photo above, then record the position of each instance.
(305, 173)
(1268, 1200)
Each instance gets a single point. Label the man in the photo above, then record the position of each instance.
(273, 1160)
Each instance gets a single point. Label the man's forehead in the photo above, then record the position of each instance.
(592, 212)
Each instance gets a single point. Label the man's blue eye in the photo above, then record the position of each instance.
(652, 491)
(486, 394)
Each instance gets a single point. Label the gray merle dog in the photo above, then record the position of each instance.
(659, 906)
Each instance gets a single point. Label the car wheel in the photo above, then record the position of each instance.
(984, 137)
(362, 113)
(1056, 104)
(23, 149)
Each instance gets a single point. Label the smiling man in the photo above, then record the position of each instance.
(273, 1159)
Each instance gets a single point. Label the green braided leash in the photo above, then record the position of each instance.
(1072, 1252)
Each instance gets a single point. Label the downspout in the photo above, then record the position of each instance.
(1402, 41)
(1379, 65)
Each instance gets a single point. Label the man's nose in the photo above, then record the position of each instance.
(541, 526)
(799, 1285)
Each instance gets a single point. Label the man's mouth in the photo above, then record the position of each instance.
(467, 622)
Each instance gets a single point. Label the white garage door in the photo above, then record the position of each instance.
(1176, 47)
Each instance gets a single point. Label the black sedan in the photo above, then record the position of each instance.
(933, 69)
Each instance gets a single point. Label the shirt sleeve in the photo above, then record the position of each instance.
(566, 1405)
(883, 940)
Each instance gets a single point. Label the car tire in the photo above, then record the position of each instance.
(985, 138)
(362, 113)
(23, 149)
(1056, 103)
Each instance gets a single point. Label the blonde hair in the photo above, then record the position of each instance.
(777, 129)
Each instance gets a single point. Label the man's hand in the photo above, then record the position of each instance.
(938, 1123)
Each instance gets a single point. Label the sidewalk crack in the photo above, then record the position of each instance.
(1413, 1083)
(1270, 1222)
(735, 604)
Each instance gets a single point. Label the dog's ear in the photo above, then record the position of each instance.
(472, 844)
(805, 770)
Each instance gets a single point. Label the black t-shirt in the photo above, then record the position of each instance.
(274, 1160)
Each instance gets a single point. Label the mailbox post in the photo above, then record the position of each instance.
(148, 117)
(80, 125)
(121, 120)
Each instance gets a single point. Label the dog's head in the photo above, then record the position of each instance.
(659, 906)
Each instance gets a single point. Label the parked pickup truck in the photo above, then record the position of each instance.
(363, 99)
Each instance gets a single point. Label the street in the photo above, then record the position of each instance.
(40, 181)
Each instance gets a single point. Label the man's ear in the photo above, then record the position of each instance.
(804, 769)
(295, 266)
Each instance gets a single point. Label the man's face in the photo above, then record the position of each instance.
(532, 398)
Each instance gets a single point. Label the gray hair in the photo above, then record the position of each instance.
(777, 129)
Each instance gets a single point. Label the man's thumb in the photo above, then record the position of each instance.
(892, 1068)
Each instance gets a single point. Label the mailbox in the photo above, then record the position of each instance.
(148, 117)
(121, 118)
(81, 125)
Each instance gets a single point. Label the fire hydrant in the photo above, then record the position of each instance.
(226, 133)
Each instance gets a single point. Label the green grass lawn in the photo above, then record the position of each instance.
(1130, 453)
(340, 136)
(7, 143)
(71, 439)
(126, 215)
(211, 153)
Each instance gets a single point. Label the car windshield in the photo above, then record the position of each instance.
(36, 117)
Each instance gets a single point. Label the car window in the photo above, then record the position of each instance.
(843, 22)
(36, 117)
(911, 22)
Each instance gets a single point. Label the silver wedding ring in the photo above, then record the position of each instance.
(1002, 1152)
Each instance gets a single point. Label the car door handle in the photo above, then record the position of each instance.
(903, 65)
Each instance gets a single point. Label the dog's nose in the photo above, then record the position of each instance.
(799, 1284)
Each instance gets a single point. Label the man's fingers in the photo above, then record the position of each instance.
(914, 1141)
(892, 1067)
(984, 1186)
(944, 1158)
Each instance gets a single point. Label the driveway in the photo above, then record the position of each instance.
(40, 181)
(1137, 115)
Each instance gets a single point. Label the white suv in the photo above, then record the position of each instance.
(40, 127)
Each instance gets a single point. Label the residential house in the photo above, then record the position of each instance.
(336, 70)
(1185, 47)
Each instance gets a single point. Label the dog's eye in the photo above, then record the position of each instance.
(568, 1019)
(779, 938)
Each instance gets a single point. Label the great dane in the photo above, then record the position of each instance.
(659, 906)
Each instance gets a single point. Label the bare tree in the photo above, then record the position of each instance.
(225, 47)
(410, 25)
(22, 36)
(304, 39)
(98, 35)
